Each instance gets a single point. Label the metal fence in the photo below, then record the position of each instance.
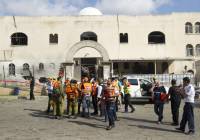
(164, 79)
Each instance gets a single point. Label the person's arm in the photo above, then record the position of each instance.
(99, 91)
(186, 91)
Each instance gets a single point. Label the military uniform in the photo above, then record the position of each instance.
(58, 97)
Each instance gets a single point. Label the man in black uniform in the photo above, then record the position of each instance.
(32, 84)
(175, 97)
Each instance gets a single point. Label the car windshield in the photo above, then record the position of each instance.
(133, 81)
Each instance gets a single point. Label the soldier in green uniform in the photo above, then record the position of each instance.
(58, 97)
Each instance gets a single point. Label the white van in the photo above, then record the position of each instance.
(139, 90)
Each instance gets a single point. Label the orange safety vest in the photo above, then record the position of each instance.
(109, 92)
(68, 88)
(56, 84)
(87, 88)
(72, 92)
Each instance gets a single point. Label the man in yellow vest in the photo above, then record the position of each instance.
(86, 89)
(127, 96)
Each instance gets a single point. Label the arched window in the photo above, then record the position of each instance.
(19, 39)
(25, 66)
(197, 27)
(198, 50)
(189, 50)
(88, 36)
(156, 38)
(11, 69)
(53, 38)
(41, 66)
(188, 28)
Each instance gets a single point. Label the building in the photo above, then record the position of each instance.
(102, 45)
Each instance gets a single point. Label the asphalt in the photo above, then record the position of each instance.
(22, 119)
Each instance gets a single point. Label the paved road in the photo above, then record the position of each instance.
(26, 120)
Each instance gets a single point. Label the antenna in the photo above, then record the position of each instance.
(14, 22)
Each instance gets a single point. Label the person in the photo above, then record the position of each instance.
(80, 95)
(86, 89)
(188, 113)
(68, 90)
(58, 98)
(72, 97)
(94, 97)
(50, 91)
(127, 96)
(101, 100)
(32, 84)
(175, 97)
(109, 96)
(158, 92)
(117, 85)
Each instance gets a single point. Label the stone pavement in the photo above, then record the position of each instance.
(26, 120)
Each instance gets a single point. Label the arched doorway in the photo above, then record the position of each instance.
(87, 58)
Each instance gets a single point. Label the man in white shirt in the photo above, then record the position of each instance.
(188, 114)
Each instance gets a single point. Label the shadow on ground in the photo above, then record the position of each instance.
(88, 124)
(39, 113)
(155, 128)
(138, 120)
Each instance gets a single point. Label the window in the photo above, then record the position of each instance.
(19, 39)
(189, 50)
(53, 38)
(123, 38)
(197, 27)
(41, 66)
(133, 81)
(188, 28)
(156, 38)
(25, 66)
(11, 69)
(198, 50)
(126, 65)
(88, 36)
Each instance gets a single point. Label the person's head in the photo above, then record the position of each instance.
(86, 79)
(186, 81)
(173, 82)
(109, 82)
(59, 78)
(116, 79)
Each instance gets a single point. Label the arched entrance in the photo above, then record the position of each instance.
(87, 58)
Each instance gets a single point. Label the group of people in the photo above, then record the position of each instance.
(176, 93)
(106, 98)
(105, 95)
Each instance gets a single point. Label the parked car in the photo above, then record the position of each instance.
(140, 90)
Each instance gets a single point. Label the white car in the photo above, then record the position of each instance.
(140, 90)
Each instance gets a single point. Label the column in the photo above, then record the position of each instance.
(106, 70)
